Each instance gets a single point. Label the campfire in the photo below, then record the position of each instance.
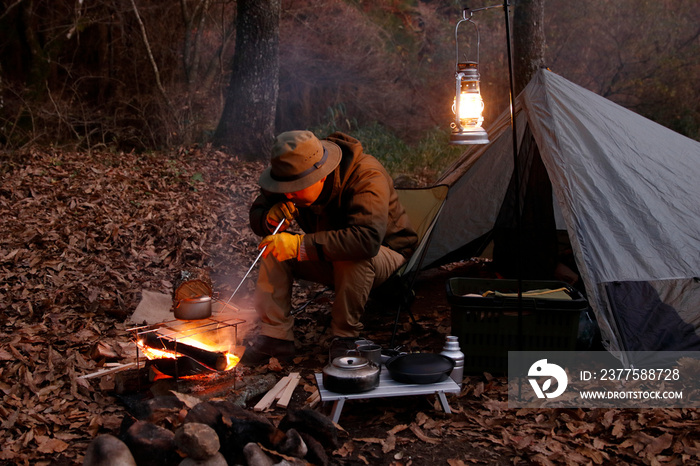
(183, 348)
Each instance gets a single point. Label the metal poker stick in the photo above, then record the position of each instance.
(254, 262)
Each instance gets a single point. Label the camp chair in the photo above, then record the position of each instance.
(423, 207)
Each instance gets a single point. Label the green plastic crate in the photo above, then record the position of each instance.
(487, 327)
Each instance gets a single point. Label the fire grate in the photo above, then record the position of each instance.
(181, 348)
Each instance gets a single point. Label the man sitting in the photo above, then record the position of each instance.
(356, 234)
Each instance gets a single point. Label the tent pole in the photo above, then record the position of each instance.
(516, 175)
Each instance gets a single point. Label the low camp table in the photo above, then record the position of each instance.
(388, 387)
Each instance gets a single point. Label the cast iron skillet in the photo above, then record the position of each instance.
(421, 368)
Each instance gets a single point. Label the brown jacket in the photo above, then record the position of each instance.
(357, 212)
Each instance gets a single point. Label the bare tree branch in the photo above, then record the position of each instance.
(154, 65)
(9, 8)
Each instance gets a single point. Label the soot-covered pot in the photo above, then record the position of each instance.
(194, 308)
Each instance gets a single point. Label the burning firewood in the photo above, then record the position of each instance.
(214, 360)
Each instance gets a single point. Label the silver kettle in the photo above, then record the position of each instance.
(350, 374)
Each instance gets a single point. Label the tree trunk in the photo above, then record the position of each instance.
(528, 41)
(247, 123)
(39, 68)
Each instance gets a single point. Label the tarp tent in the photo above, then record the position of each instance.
(627, 191)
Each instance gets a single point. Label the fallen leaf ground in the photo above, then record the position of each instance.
(81, 235)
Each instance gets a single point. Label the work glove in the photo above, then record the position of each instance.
(283, 246)
(282, 211)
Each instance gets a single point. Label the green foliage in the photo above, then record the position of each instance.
(425, 160)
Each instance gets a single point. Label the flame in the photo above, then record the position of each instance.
(231, 361)
(470, 108)
(154, 353)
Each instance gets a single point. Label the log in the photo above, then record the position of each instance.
(227, 385)
(212, 359)
(182, 366)
(272, 395)
(216, 384)
(256, 387)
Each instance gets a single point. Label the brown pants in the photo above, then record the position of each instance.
(351, 280)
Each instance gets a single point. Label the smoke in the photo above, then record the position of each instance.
(341, 68)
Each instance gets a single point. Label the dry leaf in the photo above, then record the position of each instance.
(495, 405)
(658, 444)
(419, 433)
(5, 356)
(50, 445)
(398, 428)
(370, 440)
(345, 450)
(421, 417)
(82, 234)
(597, 456)
(542, 459)
(274, 365)
(389, 444)
(618, 429)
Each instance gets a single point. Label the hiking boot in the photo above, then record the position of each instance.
(264, 348)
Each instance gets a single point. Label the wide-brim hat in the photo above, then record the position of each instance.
(299, 159)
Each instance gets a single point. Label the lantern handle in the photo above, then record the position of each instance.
(476, 28)
(470, 12)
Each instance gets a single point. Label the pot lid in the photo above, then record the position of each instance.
(350, 362)
(420, 364)
(196, 299)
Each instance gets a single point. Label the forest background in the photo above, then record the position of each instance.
(79, 75)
